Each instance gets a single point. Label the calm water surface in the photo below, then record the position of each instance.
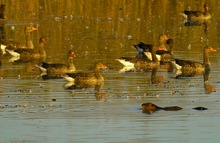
(37, 110)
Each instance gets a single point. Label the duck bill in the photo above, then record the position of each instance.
(213, 50)
(34, 28)
(73, 54)
(104, 67)
(166, 38)
(160, 48)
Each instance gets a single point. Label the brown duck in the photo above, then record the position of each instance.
(29, 54)
(150, 108)
(164, 55)
(141, 64)
(57, 69)
(84, 80)
(144, 49)
(187, 68)
(197, 15)
(14, 45)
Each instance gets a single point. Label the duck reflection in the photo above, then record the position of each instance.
(154, 78)
(198, 23)
(2, 15)
(208, 88)
(98, 94)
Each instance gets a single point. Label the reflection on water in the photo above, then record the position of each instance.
(37, 110)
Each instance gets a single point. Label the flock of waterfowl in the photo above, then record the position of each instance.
(150, 57)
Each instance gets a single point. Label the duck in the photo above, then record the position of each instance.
(150, 108)
(140, 64)
(199, 16)
(85, 80)
(188, 68)
(141, 48)
(29, 54)
(58, 69)
(144, 49)
(14, 45)
(163, 55)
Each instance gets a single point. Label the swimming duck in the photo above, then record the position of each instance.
(197, 15)
(84, 80)
(57, 69)
(29, 54)
(144, 49)
(142, 64)
(150, 108)
(187, 68)
(163, 55)
(14, 45)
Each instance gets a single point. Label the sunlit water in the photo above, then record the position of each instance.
(37, 110)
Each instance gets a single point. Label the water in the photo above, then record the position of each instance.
(37, 110)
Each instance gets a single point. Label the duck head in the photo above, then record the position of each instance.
(149, 108)
(42, 40)
(206, 6)
(162, 40)
(30, 29)
(99, 66)
(209, 49)
(71, 54)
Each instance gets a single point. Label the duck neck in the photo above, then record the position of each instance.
(42, 52)
(153, 54)
(71, 66)
(29, 43)
(162, 44)
(170, 51)
(98, 74)
(206, 58)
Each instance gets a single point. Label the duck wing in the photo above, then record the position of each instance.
(193, 13)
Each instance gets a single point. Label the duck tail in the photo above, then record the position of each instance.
(3, 49)
(69, 79)
(175, 65)
(44, 70)
(125, 63)
(184, 15)
(13, 53)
